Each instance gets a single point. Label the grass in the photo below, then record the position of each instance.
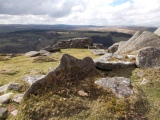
(64, 103)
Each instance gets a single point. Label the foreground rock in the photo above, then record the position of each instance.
(120, 86)
(5, 98)
(148, 57)
(4, 88)
(3, 112)
(98, 51)
(70, 69)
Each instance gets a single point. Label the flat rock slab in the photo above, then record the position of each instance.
(32, 79)
(111, 65)
(3, 111)
(98, 51)
(4, 88)
(5, 98)
(120, 86)
(18, 98)
(32, 54)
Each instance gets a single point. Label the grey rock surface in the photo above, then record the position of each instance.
(14, 113)
(5, 98)
(148, 57)
(157, 32)
(18, 98)
(70, 69)
(32, 54)
(111, 65)
(32, 79)
(4, 88)
(98, 51)
(120, 86)
(3, 111)
(45, 53)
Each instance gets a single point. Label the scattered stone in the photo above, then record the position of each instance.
(120, 86)
(144, 81)
(4, 88)
(18, 98)
(148, 57)
(3, 112)
(111, 65)
(52, 49)
(105, 57)
(32, 54)
(32, 79)
(14, 113)
(5, 98)
(98, 51)
(98, 46)
(70, 69)
(82, 93)
(140, 74)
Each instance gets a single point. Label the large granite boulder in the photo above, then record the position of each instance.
(120, 86)
(157, 32)
(148, 57)
(70, 69)
(128, 43)
(139, 41)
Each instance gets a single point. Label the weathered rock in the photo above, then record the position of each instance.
(146, 39)
(32, 54)
(112, 49)
(45, 53)
(120, 86)
(32, 79)
(157, 32)
(148, 57)
(70, 69)
(3, 112)
(4, 88)
(105, 57)
(98, 46)
(111, 65)
(18, 98)
(14, 113)
(5, 98)
(98, 51)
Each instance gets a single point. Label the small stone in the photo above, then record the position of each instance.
(144, 81)
(14, 113)
(32, 54)
(5, 98)
(32, 79)
(4, 88)
(82, 93)
(18, 98)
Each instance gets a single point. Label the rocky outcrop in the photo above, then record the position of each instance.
(157, 32)
(70, 69)
(148, 57)
(120, 86)
(112, 49)
(139, 41)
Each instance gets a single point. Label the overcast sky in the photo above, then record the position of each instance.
(81, 12)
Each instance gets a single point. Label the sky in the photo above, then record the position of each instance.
(81, 12)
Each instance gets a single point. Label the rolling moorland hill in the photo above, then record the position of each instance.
(60, 86)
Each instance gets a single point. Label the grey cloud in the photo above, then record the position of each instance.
(54, 8)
